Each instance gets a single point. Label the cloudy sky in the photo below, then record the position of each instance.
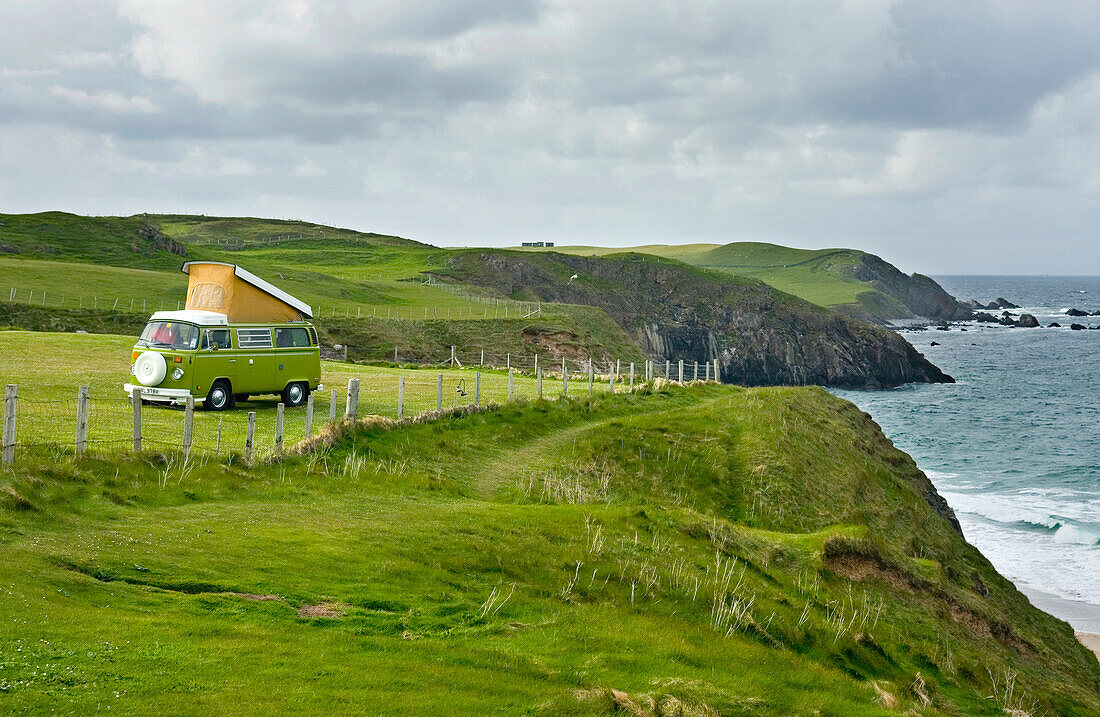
(945, 136)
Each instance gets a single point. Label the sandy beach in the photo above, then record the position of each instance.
(1083, 616)
(1090, 641)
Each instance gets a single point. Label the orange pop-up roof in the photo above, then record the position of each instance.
(240, 295)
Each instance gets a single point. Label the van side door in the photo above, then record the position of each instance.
(255, 361)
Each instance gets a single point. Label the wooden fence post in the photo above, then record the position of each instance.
(618, 369)
(696, 378)
(681, 379)
(591, 376)
(439, 393)
(332, 407)
(631, 375)
(309, 415)
(511, 392)
(538, 377)
(218, 445)
(279, 417)
(707, 378)
(352, 409)
(11, 401)
(477, 388)
(250, 435)
(564, 380)
(135, 399)
(400, 397)
(537, 368)
(717, 376)
(188, 424)
(611, 377)
(668, 370)
(509, 360)
(83, 394)
(482, 357)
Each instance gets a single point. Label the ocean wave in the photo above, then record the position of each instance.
(1076, 535)
(1064, 530)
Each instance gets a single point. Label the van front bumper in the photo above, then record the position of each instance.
(163, 395)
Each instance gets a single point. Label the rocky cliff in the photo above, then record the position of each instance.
(760, 335)
(917, 293)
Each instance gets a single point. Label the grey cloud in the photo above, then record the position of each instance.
(894, 127)
(973, 62)
(421, 18)
(403, 82)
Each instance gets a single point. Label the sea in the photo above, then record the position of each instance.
(1014, 445)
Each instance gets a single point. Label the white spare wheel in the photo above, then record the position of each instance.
(150, 368)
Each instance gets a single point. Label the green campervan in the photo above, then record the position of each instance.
(204, 354)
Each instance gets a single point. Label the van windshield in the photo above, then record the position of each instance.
(169, 335)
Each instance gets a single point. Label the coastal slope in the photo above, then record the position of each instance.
(760, 336)
(702, 550)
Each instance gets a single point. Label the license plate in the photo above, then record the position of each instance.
(152, 391)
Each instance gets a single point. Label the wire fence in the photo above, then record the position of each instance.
(476, 305)
(261, 429)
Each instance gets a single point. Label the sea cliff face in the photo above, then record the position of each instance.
(759, 335)
(917, 293)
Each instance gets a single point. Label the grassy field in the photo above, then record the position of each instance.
(687, 551)
(76, 285)
(49, 367)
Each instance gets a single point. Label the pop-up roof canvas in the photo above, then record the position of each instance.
(240, 295)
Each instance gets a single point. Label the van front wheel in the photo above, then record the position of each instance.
(220, 397)
(295, 394)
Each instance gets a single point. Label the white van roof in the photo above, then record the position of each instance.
(192, 316)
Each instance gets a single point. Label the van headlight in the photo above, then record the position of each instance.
(177, 373)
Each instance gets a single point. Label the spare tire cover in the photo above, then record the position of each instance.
(150, 368)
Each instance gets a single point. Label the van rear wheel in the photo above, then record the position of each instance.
(220, 397)
(295, 394)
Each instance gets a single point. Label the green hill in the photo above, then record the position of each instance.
(853, 282)
(65, 263)
(698, 551)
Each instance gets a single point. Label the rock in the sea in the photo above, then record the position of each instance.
(1028, 321)
(983, 317)
(1077, 327)
(1054, 325)
(1076, 312)
(934, 343)
(1007, 320)
(1002, 303)
(1096, 313)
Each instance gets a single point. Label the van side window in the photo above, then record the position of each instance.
(216, 337)
(255, 338)
(291, 338)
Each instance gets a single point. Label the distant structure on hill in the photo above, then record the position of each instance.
(537, 243)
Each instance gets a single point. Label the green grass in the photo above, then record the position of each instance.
(680, 545)
(49, 367)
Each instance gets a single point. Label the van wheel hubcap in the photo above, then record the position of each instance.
(295, 393)
(218, 397)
